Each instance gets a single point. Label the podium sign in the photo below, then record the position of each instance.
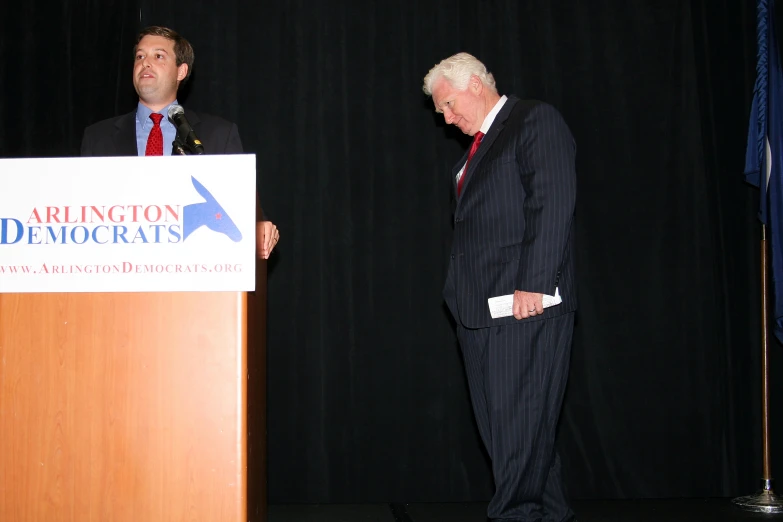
(130, 224)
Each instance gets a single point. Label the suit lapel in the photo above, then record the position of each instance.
(194, 120)
(486, 143)
(124, 137)
(455, 170)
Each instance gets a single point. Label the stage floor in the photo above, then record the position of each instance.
(657, 510)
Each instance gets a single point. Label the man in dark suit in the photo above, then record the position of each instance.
(513, 227)
(163, 61)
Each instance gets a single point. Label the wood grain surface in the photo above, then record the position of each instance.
(123, 407)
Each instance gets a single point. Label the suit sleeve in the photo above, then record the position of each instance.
(547, 155)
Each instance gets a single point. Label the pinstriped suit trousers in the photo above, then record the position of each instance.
(517, 376)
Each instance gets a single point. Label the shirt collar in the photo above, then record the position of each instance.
(143, 114)
(490, 117)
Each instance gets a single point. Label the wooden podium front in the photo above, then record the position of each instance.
(133, 407)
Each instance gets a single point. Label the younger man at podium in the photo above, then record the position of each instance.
(163, 60)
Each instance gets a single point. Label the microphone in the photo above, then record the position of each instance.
(184, 130)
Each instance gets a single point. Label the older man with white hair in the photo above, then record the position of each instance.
(510, 283)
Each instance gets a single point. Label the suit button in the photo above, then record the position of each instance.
(452, 256)
(458, 220)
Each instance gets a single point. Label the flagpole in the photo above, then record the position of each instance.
(765, 500)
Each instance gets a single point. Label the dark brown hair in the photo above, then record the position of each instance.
(182, 48)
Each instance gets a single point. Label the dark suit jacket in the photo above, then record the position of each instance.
(117, 136)
(513, 223)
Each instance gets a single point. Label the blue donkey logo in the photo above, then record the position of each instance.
(209, 214)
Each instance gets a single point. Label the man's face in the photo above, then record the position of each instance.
(155, 72)
(465, 109)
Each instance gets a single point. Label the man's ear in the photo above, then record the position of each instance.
(475, 84)
(182, 71)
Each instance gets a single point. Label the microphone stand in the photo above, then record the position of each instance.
(178, 147)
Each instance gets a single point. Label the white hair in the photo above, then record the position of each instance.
(457, 70)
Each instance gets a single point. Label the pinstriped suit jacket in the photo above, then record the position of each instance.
(513, 223)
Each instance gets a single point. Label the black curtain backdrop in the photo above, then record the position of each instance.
(367, 397)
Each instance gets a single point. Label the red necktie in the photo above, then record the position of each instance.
(473, 148)
(155, 139)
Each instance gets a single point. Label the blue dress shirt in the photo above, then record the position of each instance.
(144, 125)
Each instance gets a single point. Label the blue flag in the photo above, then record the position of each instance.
(764, 155)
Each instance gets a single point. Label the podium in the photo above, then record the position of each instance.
(132, 406)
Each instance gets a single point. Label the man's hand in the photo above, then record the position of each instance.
(527, 304)
(267, 237)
